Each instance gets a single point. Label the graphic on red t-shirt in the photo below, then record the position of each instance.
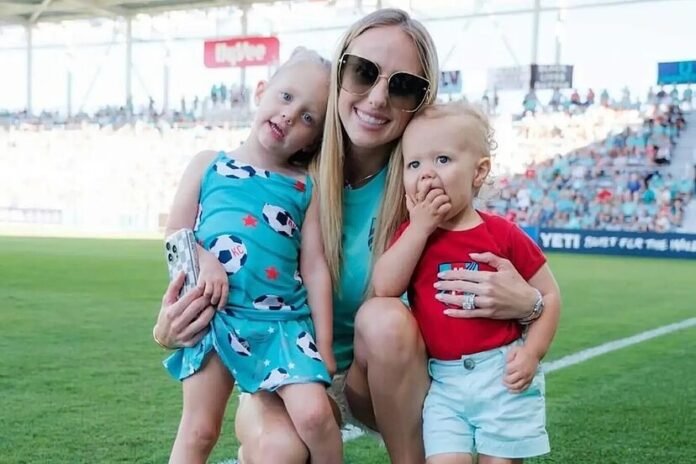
(450, 338)
(468, 265)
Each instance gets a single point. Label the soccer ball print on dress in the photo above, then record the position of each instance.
(251, 219)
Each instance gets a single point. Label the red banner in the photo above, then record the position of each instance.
(241, 52)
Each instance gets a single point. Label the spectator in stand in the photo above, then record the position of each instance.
(214, 93)
(625, 98)
(650, 98)
(604, 98)
(530, 102)
(589, 100)
(223, 93)
(674, 95)
(555, 99)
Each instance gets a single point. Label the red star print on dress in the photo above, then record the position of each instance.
(250, 221)
(271, 273)
(300, 186)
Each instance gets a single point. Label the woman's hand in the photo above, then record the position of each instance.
(498, 295)
(182, 322)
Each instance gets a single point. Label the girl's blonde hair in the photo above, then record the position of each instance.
(479, 139)
(299, 56)
(329, 165)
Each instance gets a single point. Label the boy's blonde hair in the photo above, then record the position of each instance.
(478, 134)
(475, 125)
(329, 165)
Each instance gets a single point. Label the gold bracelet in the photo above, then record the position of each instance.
(154, 337)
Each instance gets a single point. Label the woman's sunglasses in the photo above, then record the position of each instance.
(357, 76)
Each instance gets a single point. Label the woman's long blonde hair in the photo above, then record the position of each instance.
(329, 165)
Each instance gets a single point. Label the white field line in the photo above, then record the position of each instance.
(584, 355)
(350, 432)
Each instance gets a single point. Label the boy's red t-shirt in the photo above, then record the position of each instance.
(449, 338)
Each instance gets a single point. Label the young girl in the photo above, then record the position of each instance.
(262, 265)
(487, 390)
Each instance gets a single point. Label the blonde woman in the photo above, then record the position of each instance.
(385, 69)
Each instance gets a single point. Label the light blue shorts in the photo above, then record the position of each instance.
(468, 409)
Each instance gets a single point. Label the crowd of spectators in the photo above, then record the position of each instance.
(604, 167)
(224, 104)
(619, 183)
(570, 100)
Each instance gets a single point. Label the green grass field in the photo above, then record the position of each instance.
(81, 379)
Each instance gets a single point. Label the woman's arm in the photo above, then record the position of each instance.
(541, 333)
(317, 280)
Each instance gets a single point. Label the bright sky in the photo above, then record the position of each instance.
(610, 47)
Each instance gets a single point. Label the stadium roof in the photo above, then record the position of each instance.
(33, 11)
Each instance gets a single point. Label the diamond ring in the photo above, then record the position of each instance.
(468, 301)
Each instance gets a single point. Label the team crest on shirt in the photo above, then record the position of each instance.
(235, 170)
(457, 266)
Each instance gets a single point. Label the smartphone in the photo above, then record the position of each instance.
(181, 255)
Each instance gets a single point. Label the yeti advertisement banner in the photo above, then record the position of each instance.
(606, 242)
(241, 52)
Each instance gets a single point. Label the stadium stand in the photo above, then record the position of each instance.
(618, 183)
(596, 166)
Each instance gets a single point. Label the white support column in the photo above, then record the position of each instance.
(245, 30)
(560, 31)
(535, 31)
(165, 80)
(68, 106)
(30, 67)
(129, 64)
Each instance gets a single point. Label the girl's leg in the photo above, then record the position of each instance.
(266, 433)
(483, 459)
(311, 413)
(205, 398)
(388, 380)
(450, 458)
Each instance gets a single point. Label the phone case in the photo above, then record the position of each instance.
(181, 255)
